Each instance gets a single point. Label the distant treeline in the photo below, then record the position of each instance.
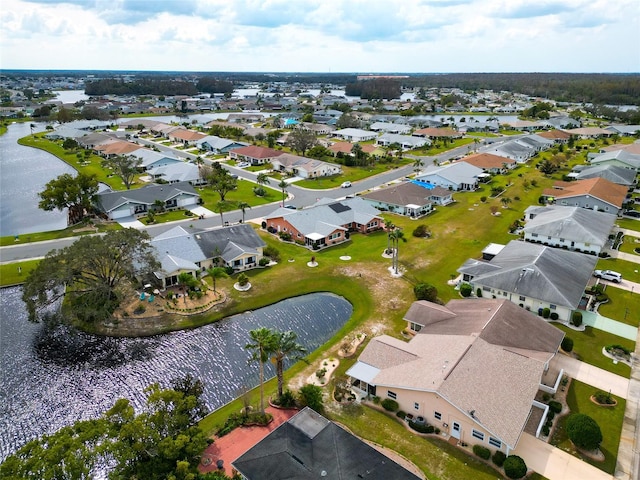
(374, 89)
(596, 88)
(214, 85)
(143, 86)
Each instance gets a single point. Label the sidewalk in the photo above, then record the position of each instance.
(553, 463)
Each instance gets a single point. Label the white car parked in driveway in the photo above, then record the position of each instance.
(608, 275)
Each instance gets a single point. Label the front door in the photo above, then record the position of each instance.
(455, 430)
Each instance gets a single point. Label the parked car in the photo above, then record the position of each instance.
(243, 164)
(290, 207)
(608, 275)
(632, 213)
(345, 184)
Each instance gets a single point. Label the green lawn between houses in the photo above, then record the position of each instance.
(609, 419)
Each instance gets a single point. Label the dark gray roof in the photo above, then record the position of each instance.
(309, 446)
(405, 193)
(546, 273)
(146, 195)
(613, 173)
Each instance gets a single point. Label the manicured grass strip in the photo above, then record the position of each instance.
(609, 419)
(630, 244)
(623, 306)
(15, 273)
(73, 231)
(588, 346)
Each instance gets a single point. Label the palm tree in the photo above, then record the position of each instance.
(262, 179)
(185, 280)
(221, 206)
(283, 185)
(417, 165)
(261, 348)
(243, 206)
(216, 272)
(390, 227)
(285, 346)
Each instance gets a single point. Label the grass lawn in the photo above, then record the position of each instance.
(622, 306)
(608, 418)
(588, 345)
(629, 270)
(15, 273)
(629, 223)
(170, 216)
(630, 244)
(244, 193)
(73, 231)
(352, 174)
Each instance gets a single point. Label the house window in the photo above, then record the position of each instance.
(437, 415)
(476, 434)
(562, 239)
(486, 289)
(415, 327)
(495, 442)
(521, 298)
(552, 306)
(416, 405)
(534, 235)
(391, 394)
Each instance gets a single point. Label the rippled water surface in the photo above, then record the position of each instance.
(52, 377)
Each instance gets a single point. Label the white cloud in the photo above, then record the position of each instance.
(320, 35)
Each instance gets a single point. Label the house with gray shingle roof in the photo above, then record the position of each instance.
(406, 142)
(178, 172)
(464, 360)
(620, 158)
(152, 159)
(304, 167)
(572, 228)
(613, 173)
(455, 176)
(406, 198)
(328, 222)
(127, 203)
(215, 144)
(533, 276)
(178, 250)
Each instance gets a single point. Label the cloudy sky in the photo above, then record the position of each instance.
(322, 35)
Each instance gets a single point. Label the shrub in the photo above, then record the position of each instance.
(479, 292)
(546, 397)
(264, 261)
(425, 291)
(243, 279)
(567, 344)
(287, 400)
(466, 290)
(576, 318)
(514, 467)
(555, 406)
(482, 451)
(483, 199)
(272, 252)
(553, 316)
(583, 431)
(311, 396)
(498, 458)
(551, 415)
(401, 414)
(421, 427)
(603, 398)
(390, 405)
(259, 191)
(546, 312)
(285, 236)
(421, 231)
(546, 430)
(140, 309)
(376, 400)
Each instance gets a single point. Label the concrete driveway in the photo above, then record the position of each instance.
(591, 375)
(553, 463)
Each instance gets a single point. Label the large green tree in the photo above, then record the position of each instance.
(124, 166)
(219, 179)
(163, 441)
(93, 274)
(77, 194)
(301, 140)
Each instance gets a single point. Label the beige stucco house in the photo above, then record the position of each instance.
(472, 369)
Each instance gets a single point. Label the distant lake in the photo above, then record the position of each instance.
(70, 96)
